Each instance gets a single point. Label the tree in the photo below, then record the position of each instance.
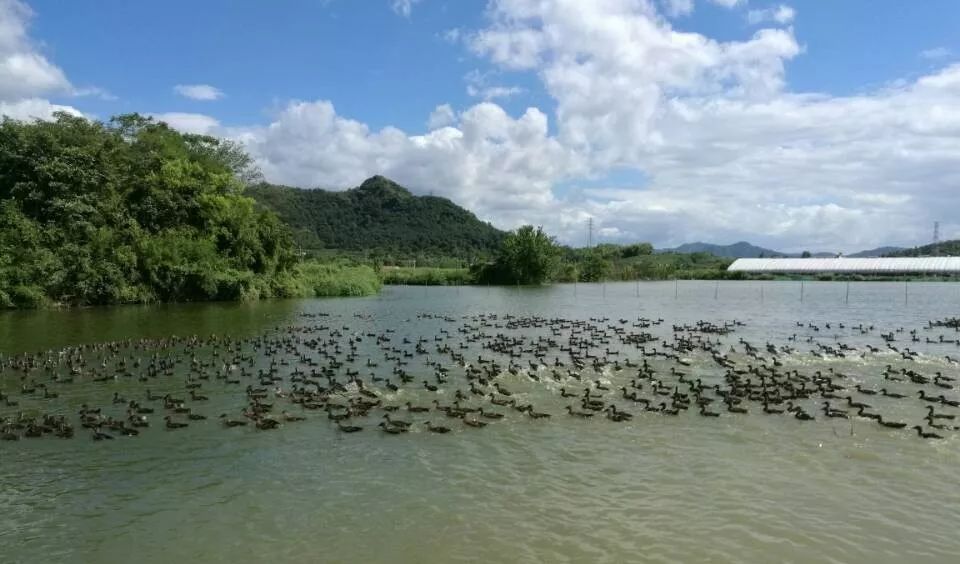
(527, 256)
(130, 211)
(806, 254)
(636, 250)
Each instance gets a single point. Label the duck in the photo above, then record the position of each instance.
(582, 414)
(171, 424)
(392, 429)
(416, 409)
(490, 414)
(436, 428)
(349, 428)
(933, 415)
(232, 422)
(925, 435)
(890, 424)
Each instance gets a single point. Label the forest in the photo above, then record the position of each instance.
(132, 211)
(381, 219)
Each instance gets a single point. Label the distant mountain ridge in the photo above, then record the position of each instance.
(743, 249)
(943, 248)
(381, 216)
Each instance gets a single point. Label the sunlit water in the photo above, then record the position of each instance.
(737, 488)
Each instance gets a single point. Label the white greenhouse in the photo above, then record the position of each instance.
(881, 266)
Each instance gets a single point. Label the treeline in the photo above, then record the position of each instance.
(530, 256)
(944, 248)
(132, 211)
(382, 220)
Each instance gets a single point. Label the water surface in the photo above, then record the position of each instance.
(757, 488)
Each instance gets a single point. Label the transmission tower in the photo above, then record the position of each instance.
(936, 238)
(590, 232)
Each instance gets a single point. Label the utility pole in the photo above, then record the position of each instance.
(936, 238)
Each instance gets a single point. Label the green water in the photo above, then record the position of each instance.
(736, 488)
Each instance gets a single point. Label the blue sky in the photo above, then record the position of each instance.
(665, 120)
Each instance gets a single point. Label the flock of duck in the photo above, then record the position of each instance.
(475, 371)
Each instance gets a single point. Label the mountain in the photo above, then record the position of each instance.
(944, 248)
(741, 249)
(379, 215)
(744, 249)
(878, 252)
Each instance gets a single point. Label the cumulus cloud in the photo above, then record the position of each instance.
(718, 147)
(24, 72)
(729, 3)
(189, 123)
(202, 92)
(781, 14)
(442, 116)
(677, 8)
(29, 109)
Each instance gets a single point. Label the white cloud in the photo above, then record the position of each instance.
(203, 92)
(24, 72)
(721, 149)
(441, 116)
(936, 53)
(478, 87)
(676, 8)
(189, 123)
(452, 35)
(403, 7)
(781, 14)
(28, 109)
(729, 3)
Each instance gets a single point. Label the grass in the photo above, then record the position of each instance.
(425, 276)
(317, 279)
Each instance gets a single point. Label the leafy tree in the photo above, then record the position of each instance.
(527, 256)
(131, 211)
(805, 254)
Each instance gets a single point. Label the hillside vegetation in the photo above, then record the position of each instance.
(943, 249)
(134, 211)
(381, 217)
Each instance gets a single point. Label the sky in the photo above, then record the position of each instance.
(795, 125)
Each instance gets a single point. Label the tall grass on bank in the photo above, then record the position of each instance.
(420, 276)
(316, 279)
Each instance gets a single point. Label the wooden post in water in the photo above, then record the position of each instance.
(603, 290)
(716, 290)
(906, 296)
(846, 298)
(801, 291)
(761, 293)
(638, 287)
(676, 288)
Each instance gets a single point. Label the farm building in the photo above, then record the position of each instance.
(949, 266)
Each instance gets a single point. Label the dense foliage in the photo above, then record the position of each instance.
(382, 217)
(131, 211)
(526, 256)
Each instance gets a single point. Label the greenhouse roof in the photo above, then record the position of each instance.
(933, 265)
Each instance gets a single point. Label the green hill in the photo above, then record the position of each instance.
(381, 216)
(942, 249)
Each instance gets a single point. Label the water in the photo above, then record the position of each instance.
(737, 488)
